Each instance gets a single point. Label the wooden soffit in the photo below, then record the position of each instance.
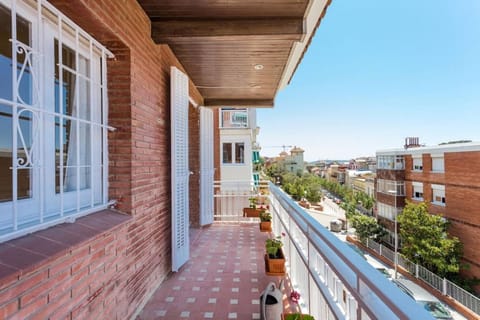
(239, 53)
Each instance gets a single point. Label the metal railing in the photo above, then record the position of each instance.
(442, 285)
(230, 197)
(334, 281)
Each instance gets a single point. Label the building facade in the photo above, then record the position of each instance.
(239, 147)
(446, 177)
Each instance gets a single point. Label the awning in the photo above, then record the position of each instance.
(256, 157)
(256, 179)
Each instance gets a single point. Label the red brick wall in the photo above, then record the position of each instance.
(110, 276)
(194, 163)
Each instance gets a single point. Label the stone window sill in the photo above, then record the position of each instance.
(22, 255)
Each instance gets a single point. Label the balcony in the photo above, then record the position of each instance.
(234, 119)
(225, 274)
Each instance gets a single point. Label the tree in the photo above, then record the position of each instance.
(425, 240)
(367, 227)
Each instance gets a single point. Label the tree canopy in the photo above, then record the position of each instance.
(367, 227)
(425, 240)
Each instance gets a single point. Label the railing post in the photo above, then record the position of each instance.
(444, 287)
(380, 250)
(416, 270)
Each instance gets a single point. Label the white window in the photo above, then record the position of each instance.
(386, 211)
(417, 164)
(390, 162)
(438, 163)
(233, 152)
(438, 194)
(391, 187)
(53, 97)
(417, 191)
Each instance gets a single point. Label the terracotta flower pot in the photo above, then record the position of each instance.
(251, 212)
(265, 226)
(275, 266)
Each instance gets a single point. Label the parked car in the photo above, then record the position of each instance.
(424, 298)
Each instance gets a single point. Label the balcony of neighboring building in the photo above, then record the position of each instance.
(231, 118)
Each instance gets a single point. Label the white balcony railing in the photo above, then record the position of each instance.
(230, 197)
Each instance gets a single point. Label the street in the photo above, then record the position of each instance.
(331, 213)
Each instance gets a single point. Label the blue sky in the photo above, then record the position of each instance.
(377, 72)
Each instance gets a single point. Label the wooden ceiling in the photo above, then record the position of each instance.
(237, 52)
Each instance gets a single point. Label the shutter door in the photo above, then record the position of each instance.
(206, 166)
(180, 170)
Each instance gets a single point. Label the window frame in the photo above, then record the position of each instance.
(233, 153)
(417, 163)
(438, 157)
(439, 191)
(416, 187)
(46, 207)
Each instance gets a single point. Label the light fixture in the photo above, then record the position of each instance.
(258, 66)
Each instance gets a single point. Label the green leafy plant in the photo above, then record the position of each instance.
(265, 216)
(253, 202)
(367, 227)
(273, 245)
(298, 316)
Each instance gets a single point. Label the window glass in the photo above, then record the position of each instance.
(417, 164)
(239, 152)
(227, 152)
(438, 164)
(417, 192)
(438, 196)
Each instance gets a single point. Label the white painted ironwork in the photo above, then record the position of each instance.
(33, 115)
(207, 169)
(179, 167)
(438, 283)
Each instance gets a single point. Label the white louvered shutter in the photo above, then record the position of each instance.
(206, 166)
(180, 170)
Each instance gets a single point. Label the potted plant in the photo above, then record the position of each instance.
(252, 211)
(265, 221)
(274, 258)
(297, 316)
(295, 297)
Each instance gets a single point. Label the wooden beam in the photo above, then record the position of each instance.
(166, 30)
(244, 103)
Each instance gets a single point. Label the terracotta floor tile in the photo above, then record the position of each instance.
(222, 280)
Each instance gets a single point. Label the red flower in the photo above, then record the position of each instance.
(295, 296)
(283, 234)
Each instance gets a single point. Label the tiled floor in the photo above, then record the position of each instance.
(222, 280)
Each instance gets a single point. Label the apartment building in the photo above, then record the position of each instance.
(446, 177)
(239, 148)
